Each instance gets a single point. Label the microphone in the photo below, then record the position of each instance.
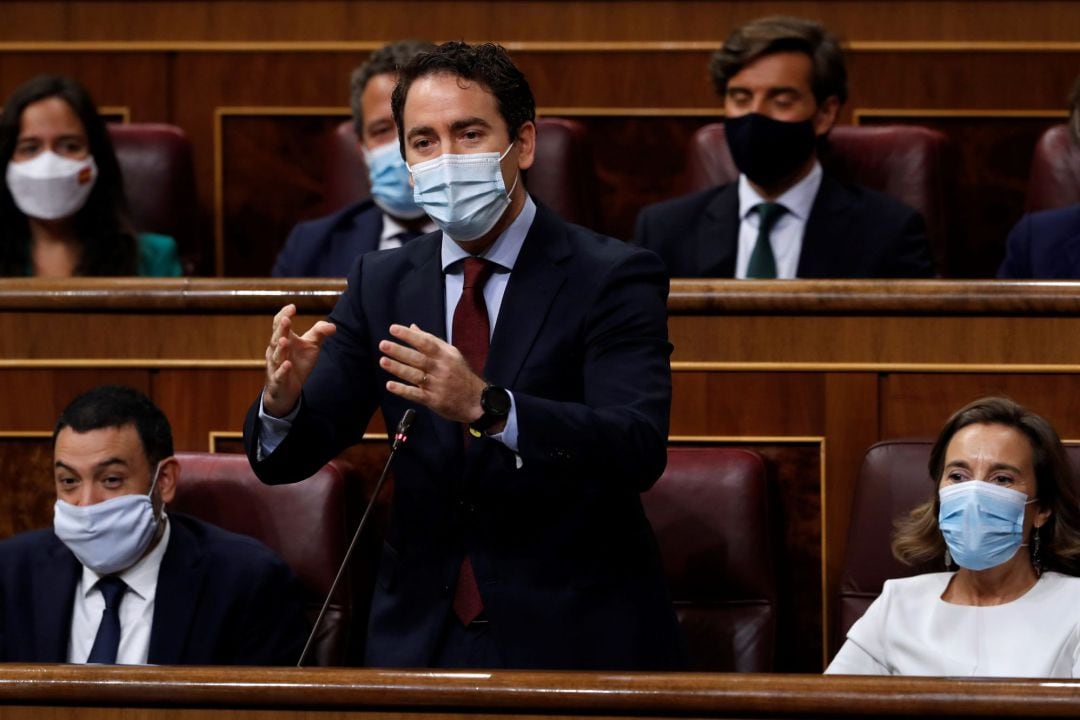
(401, 437)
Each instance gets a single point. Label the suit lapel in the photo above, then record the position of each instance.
(53, 596)
(534, 283)
(823, 253)
(179, 585)
(422, 300)
(718, 234)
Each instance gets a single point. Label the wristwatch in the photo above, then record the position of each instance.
(495, 402)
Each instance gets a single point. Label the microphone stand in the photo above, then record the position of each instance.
(400, 438)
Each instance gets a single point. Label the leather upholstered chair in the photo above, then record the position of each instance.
(915, 165)
(304, 523)
(710, 512)
(562, 176)
(159, 182)
(893, 480)
(1054, 180)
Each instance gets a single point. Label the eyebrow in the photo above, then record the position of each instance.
(996, 466)
(100, 466)
(459, 125)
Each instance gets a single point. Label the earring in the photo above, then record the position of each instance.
(1036, 551)
(948, 559)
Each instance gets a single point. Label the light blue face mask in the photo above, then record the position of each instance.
(108, 536)
(463, 194)
(983, 523)
(389, 177)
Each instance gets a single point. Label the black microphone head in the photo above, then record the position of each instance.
(400, 436)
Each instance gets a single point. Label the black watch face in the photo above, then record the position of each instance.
(496, 401)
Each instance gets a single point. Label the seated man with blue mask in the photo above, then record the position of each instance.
(118, 580)
(328, 246)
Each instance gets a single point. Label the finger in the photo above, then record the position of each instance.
(282, 322)
(407, 373)
(409, 392)
(425, 342)
(319, 332)
(404, 354)
(282, 352)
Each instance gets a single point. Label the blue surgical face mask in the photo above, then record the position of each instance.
(463, 194)
(983, 523)
(108, 536)
(389, 177)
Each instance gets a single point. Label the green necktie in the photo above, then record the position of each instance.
(762, 262)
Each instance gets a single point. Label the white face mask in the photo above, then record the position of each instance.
(463, 194)
(51, 187)
(109, 536)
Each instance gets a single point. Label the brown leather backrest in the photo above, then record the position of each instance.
(892, 481)
(915, 165)
(305, 523)
(562, 176)
(159, 182)
(710, 513)
(1054, 180)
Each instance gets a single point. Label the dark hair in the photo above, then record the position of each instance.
(388, 59)
(1074, 111)
(103, 225)
(112, 406)
(918, 538)
(770, 35)
(488, 64)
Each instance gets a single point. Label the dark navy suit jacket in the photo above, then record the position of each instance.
(852, 232)
(222, 599)
(328, 246)
(1044, 245)
(565, 559)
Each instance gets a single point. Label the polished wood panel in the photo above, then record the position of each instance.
(27, 479)
(43, 691)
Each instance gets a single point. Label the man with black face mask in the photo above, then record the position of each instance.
(119, 580)
(783, 81)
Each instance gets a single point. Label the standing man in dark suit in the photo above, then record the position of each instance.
(536, 356)
(328, 246)
(117, 580)
(783, 82)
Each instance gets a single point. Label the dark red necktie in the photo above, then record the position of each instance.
(471, 335)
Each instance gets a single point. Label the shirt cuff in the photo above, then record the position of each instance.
(509, 434)
(272, 430)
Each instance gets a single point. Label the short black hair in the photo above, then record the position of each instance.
(771, 35)
(114, 406)
(488, 64)
(388, 59)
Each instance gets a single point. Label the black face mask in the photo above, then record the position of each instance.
(769, 151)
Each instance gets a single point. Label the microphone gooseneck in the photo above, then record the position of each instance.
(401, 436)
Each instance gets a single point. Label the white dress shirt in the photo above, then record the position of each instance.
(136, 608)
(787, 234)
(910, 630)
(391, 229)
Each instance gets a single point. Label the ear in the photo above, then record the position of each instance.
(168, 478)
(1042, 515)
(526, 145)
(826, 115)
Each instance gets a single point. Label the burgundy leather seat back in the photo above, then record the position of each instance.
(305, 523)
(159, 182)
(710, 513)
(562, 176)
(893, 480)
(912, 164)
(1054, 180)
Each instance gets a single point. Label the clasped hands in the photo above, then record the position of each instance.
(430, 371)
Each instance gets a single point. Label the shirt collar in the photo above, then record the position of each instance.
(391, 228)
(506, 248)
(141, 578)
(798, 199)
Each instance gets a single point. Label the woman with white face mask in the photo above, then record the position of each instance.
(62, 208)
(1004, 520)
